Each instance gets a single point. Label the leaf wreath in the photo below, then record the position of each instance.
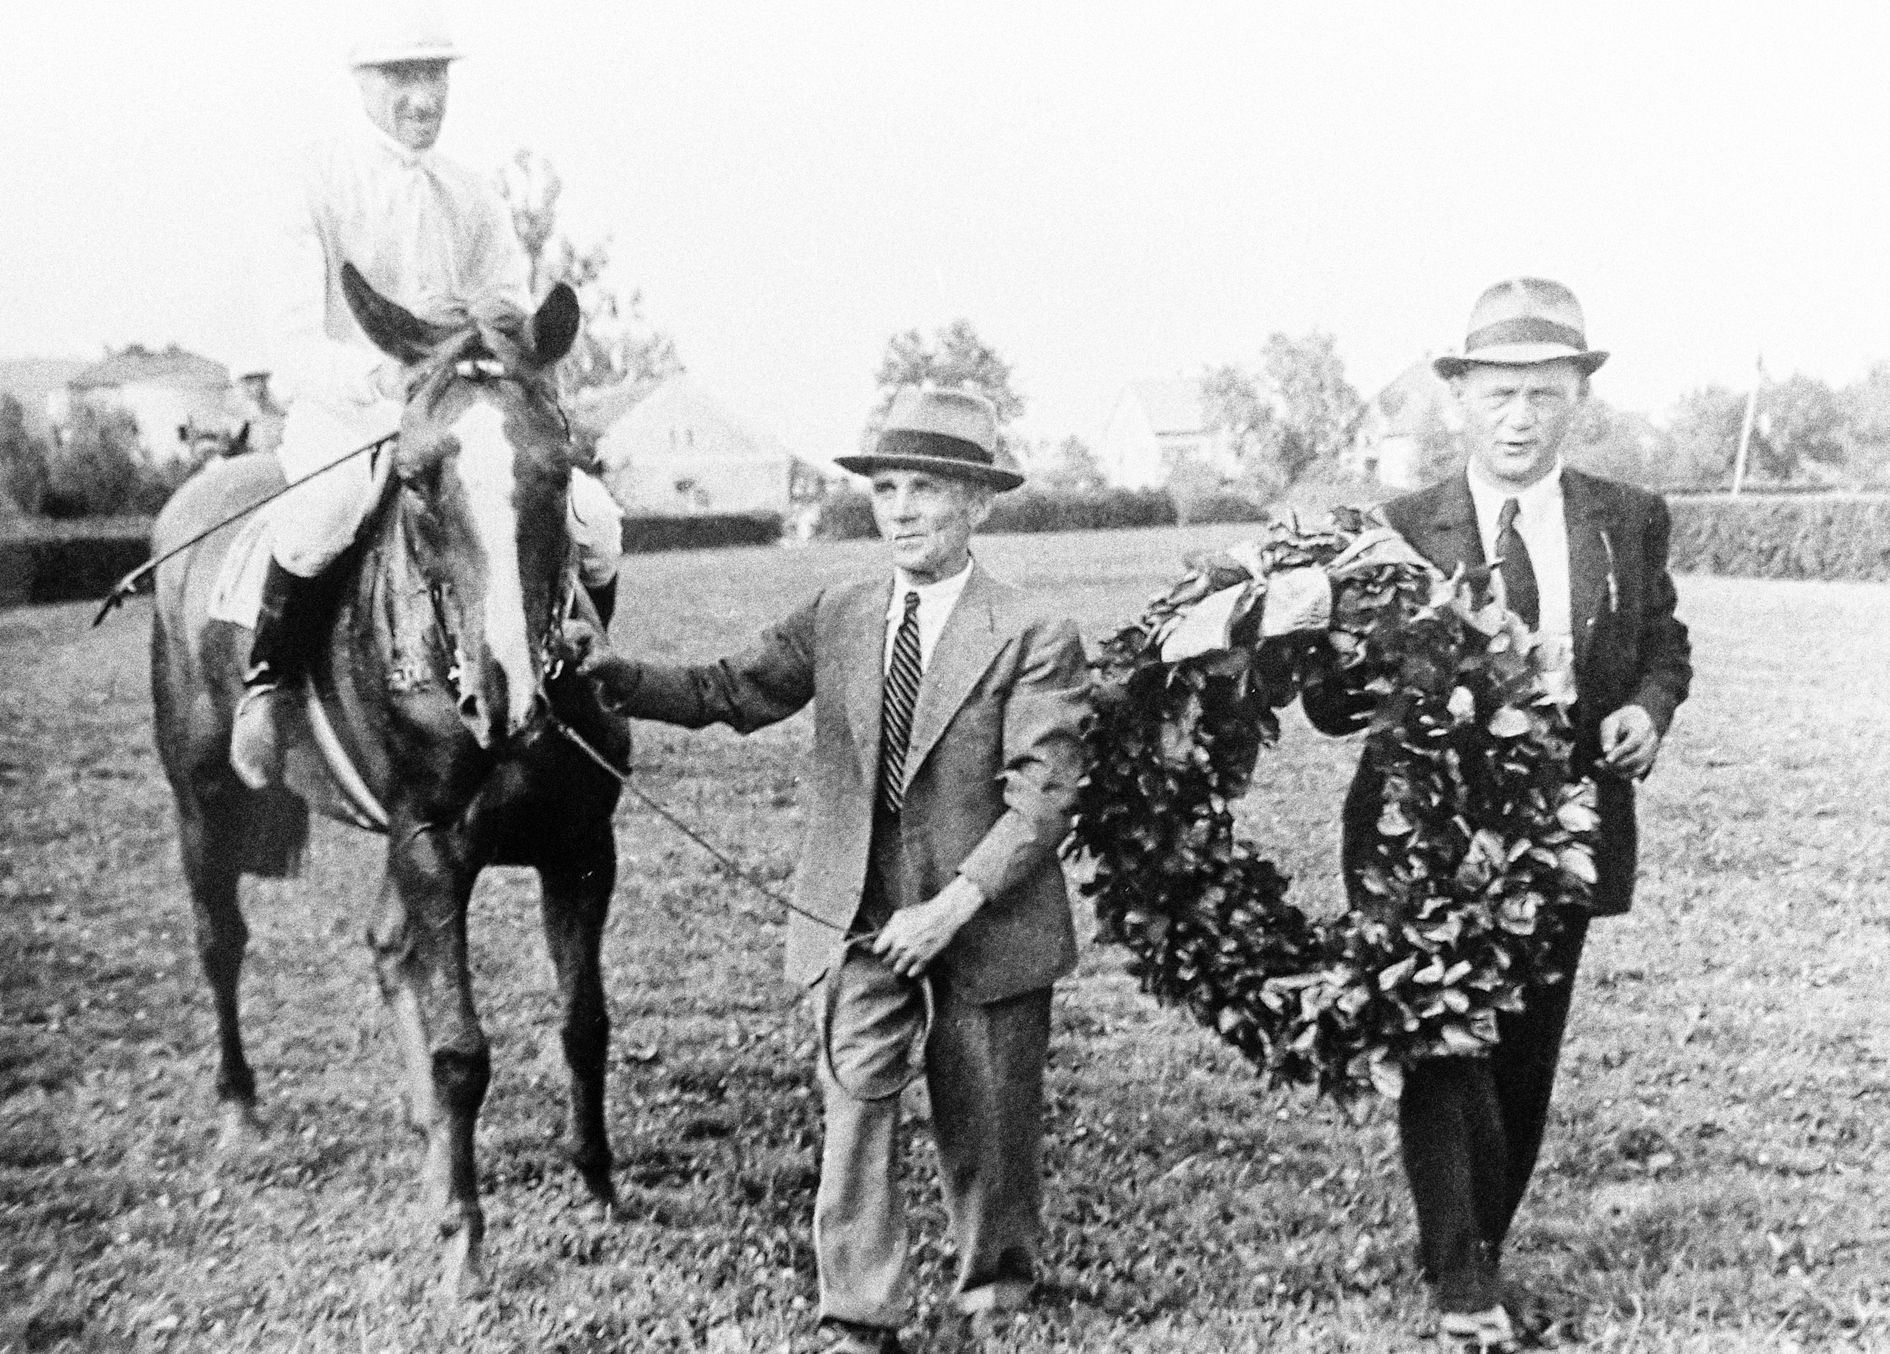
(1483, 844)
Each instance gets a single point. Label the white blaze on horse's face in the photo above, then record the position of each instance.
(485, 470)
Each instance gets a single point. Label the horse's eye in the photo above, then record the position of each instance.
(422, 479)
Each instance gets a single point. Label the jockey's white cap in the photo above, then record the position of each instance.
(390, 31)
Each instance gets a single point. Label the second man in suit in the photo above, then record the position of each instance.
(1583, 561)
(932, 912)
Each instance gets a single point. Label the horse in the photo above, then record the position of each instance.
(439, 671)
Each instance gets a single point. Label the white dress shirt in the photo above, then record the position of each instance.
(936, 601)
(1543, 526)
(421, 229)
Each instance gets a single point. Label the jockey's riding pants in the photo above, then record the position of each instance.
(313, 523)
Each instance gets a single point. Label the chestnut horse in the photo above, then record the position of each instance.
(439, 676)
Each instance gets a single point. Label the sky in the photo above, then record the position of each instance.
(1108, 191)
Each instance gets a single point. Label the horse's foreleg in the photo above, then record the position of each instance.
(576, 903)
(419, 943)
(207, 838)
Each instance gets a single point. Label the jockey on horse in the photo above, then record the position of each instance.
(425, 232)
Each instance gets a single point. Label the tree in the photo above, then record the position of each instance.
(1802, 420)
(1704, 428)
(956, 357)
(1618, 444)
(615, 345)
(1069, 467)
(1318, 405)
(1867, 424)
(1296, 412)
(22, 460)
(1234, 402)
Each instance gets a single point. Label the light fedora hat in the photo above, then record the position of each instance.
(1520, 322)
(387, 32)
(944, 429)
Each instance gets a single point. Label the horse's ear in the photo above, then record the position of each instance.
(555, 326)
(396, 331)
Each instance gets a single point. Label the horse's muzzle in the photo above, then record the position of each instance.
(491, 721)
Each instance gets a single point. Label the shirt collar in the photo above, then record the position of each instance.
(1538, 498)
(376, 139)
(945, 591)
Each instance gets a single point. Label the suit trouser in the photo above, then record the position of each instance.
(1471, 1129)
(984, 1069)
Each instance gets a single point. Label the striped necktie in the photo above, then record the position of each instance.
(1519, 571)
(895, 720)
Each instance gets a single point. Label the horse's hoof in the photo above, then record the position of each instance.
(465, 1277)
(241, 1128)
(598, 1182)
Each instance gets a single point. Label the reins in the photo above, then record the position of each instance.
(721, 857)
(128, 585)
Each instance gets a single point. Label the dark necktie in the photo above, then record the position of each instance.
(895, 720)
(1519, 571)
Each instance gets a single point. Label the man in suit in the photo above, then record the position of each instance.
(1583, 560)
(932, 913)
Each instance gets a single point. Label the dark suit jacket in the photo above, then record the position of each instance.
(1629, 648)
(991, 768)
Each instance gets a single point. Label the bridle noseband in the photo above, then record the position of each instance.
(487, 371)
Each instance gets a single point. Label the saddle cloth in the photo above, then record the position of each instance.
(328, 779)
(237, 596)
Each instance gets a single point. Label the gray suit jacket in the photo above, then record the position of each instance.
(991, 769)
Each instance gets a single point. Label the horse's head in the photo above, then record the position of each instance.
(484, 466)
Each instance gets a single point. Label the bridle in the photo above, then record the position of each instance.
(490, 371)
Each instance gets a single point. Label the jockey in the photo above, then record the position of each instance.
(425, 232)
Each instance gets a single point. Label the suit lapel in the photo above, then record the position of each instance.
(866, 674)
(1591, 564)
(1450, 532)
(964, 650)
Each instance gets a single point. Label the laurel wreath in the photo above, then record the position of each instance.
(1483, 842)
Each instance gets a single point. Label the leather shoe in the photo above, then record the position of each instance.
(1488, 1329)
(855, 1337)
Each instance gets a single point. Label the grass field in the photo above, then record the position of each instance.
(1715, 1179)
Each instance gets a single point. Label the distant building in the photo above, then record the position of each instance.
(40, 384)
(1155, 427)
(1403, 423)
(678, 450)
(175, 397)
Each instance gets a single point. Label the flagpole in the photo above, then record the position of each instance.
(1745, 428)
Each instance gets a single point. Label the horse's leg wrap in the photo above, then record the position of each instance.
(420, 947)
(390, 938)
(575, 905)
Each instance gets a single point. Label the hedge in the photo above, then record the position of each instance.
(647, 535)
(849, 516)
(51, 561)
(1828, 536)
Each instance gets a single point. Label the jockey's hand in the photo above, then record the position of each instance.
(914, 936)
(1629, 742)
(388, 380)
(577, 644)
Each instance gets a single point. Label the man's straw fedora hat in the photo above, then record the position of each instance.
(945, 430)
(1520, 322)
